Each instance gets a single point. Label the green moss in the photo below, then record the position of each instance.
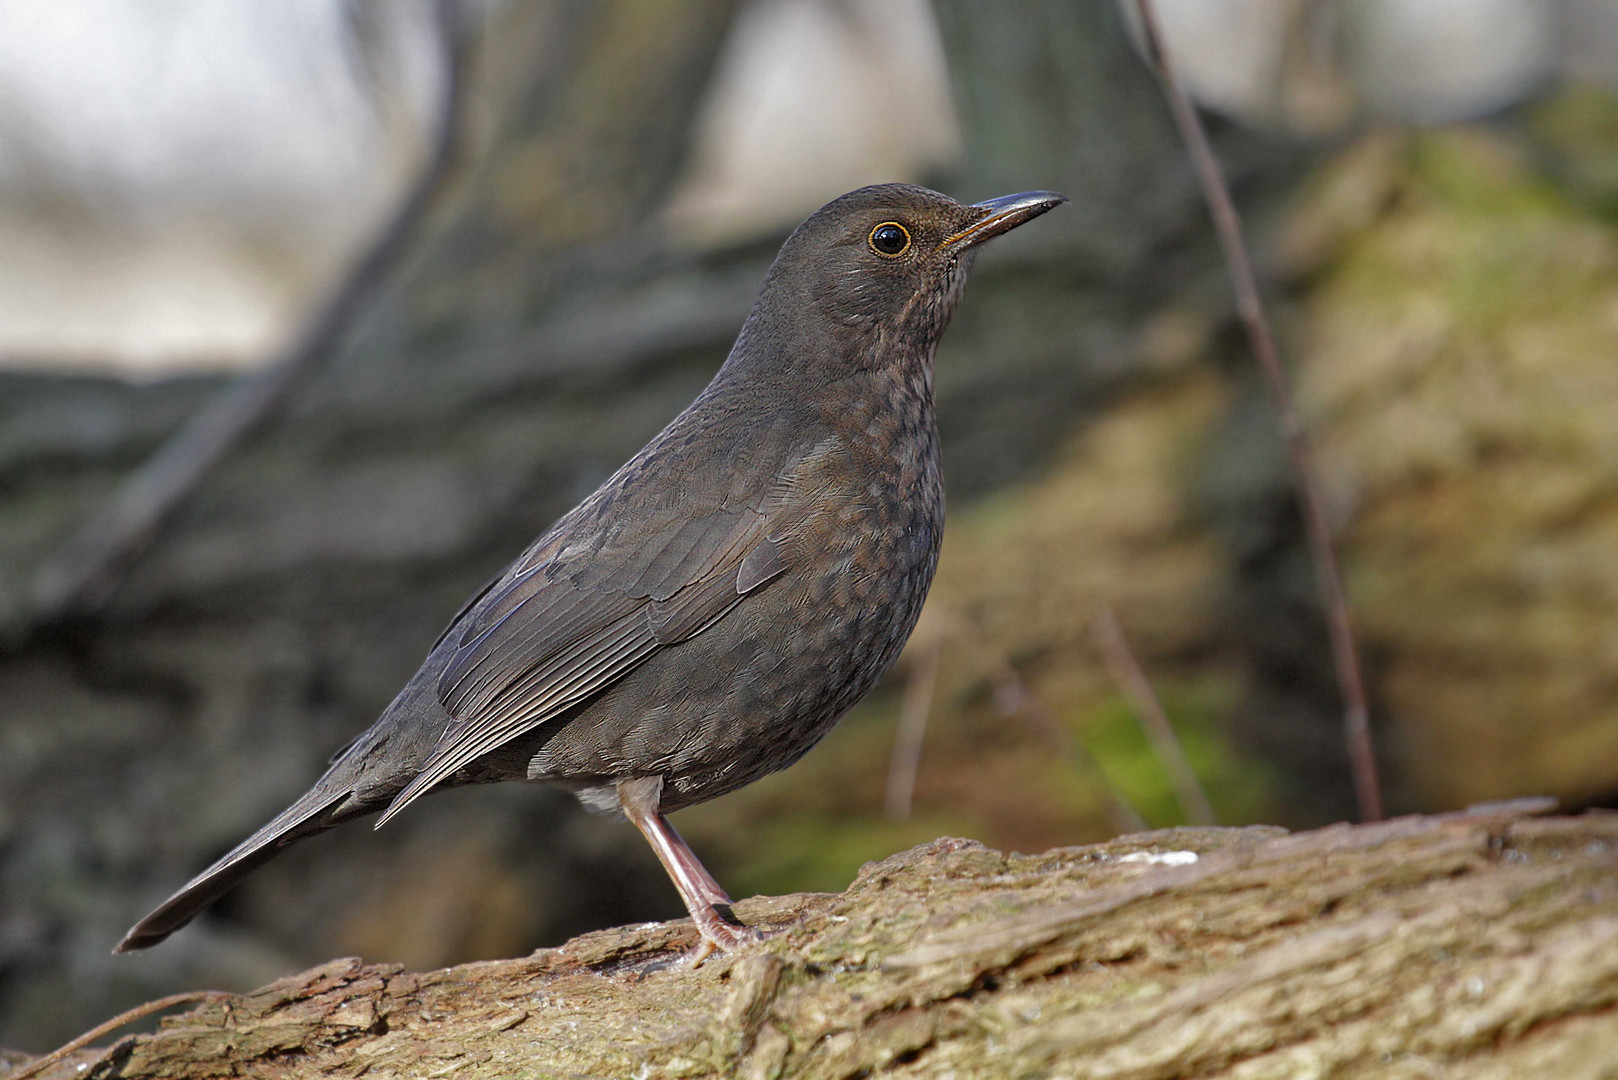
(1471, 172)
(1579, 126)
(1239, 787)
(1458, 376)
(817, 853)
(1478, 234)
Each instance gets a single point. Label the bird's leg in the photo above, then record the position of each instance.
(708, 904)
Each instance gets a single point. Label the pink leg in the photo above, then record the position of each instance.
(701, 893)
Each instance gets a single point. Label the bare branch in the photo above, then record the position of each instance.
(1137, 689)
(1014, 696)
(82, 574)
(913, 713)
(1249, 305)
(191, 997)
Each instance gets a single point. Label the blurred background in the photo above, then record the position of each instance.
(1432, 189)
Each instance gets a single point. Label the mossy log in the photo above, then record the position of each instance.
(1478, 944)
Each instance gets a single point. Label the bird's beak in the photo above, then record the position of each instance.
(1002, 215)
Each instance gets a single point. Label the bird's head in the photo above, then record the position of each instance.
(874, 276)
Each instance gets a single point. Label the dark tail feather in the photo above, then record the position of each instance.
(316, 812)
(363, 777)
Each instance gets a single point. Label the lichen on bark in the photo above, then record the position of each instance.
(1479, 944)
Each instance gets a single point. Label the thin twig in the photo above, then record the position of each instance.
(83, 572)
(913, 713)
(191, 997)
(1143, 701)
(1249, 305)
(1016, 697)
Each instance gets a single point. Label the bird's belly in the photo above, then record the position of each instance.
(752, 693)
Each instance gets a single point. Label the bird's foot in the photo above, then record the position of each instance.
(720, 933)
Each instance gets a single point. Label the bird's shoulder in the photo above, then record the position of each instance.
(666, 544)
(700, 495)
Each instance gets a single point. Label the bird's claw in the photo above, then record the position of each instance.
(719, 934)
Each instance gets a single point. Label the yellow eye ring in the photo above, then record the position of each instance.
(889, 240)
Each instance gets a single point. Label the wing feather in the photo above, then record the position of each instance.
(560, 631)
(765, 561)
(552, 617)
(569, 677)
(691, 550)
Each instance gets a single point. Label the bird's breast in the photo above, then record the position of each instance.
(877, 512)
(879, 528)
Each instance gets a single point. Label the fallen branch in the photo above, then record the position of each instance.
(1476, 944)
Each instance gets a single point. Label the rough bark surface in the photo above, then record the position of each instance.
(1479, 944)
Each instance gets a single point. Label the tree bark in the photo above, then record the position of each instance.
(1480, 944)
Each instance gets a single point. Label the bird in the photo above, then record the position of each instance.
(710, 611)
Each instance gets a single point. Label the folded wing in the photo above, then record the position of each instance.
(581, 616)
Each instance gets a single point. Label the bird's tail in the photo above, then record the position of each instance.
(315, 812)
(341, 794)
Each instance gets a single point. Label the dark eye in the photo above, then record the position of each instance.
(890, 238)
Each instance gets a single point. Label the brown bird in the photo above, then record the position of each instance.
(709, 612)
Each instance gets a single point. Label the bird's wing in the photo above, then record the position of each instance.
(572, 618)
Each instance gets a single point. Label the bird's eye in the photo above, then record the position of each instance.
(890, 238)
